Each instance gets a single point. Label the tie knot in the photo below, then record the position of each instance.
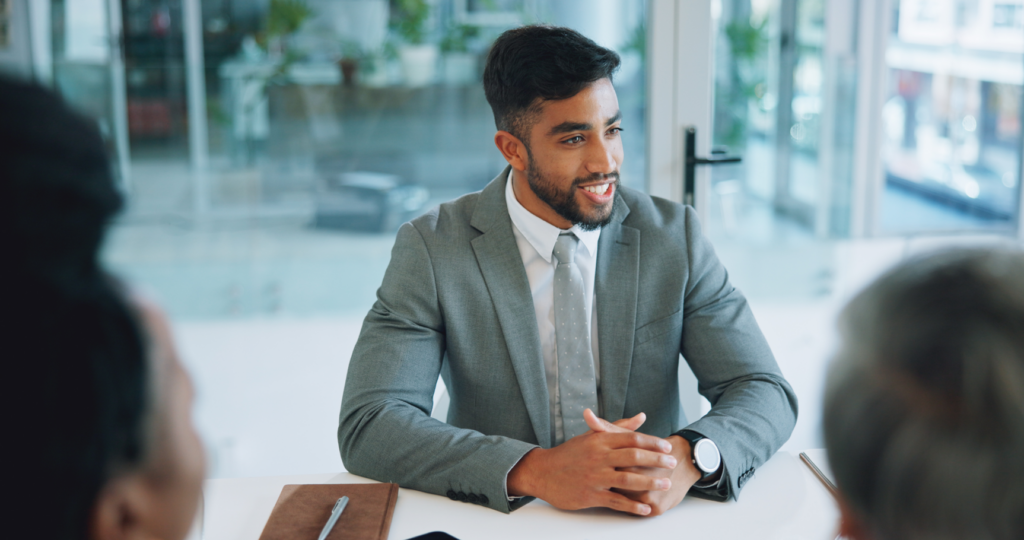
(565, 248)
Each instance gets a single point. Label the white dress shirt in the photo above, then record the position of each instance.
(536, 240)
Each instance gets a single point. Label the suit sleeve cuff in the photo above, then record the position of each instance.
(504, 486)
(715, 490)
(515, 503)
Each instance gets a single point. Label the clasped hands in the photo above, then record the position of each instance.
(609, 466)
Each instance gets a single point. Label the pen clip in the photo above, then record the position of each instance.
(340, 502)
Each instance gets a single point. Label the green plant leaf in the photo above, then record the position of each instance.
(409, 20)
(285, 17)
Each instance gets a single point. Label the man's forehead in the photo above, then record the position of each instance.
(597, 102)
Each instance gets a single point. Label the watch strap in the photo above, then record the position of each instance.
(692, 437)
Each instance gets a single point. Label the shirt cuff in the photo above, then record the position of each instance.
(713, 484)
(505, 483)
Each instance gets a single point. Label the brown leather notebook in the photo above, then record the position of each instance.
(302, 511)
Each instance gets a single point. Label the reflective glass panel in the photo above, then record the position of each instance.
(271, 151)
(328, 127)
(951, 122)
(746, 101)
(807, 101)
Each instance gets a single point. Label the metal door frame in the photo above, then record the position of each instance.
(875, 20)
(680, 49)
(119, 92)
(782, 199)
(195, 92)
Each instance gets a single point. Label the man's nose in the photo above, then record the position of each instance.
(602, 157)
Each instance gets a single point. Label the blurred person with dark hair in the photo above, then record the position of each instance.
(100, 443)
(555, 305)
(924, 405)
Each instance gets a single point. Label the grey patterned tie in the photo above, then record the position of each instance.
(577, 385)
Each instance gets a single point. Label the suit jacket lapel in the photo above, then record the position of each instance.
(615, 290)
(502, 267)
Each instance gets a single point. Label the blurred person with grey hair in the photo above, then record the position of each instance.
(924, 405)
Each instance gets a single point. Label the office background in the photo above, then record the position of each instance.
(269, 149)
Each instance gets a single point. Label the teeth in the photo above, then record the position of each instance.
(599, 190)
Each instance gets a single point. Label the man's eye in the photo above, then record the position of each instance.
(615, 131)
(574, 140)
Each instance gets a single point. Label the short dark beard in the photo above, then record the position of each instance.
(564, 202)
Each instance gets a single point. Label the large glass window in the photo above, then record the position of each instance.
(794, 83)
(786, 98)
(329, 124)
(762, 213)
(951, 141)
(270, 150)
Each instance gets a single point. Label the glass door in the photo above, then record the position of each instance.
(781, 101)
(745, 121)
(801, 119)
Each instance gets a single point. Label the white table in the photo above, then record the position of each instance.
(783, 500)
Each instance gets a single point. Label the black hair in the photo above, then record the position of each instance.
(924, 406)
(536, 63)
(73, 353)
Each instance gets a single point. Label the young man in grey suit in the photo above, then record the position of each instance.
(550, 300)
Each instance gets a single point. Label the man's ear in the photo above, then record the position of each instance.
(122, 510)
(851, 526)
(512, 149)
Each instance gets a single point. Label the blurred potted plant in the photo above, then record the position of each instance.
(284, 18)
(351, 57)
(745, 103)
(373, 65)
(418, 58)
(459, 64)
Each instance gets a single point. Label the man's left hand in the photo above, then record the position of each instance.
(683, 476)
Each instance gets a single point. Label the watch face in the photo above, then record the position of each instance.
(705, 453)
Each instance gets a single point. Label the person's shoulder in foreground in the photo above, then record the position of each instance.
(100, 439)
(471, 292)
(924, 405)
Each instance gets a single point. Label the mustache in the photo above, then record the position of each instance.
(596, 177)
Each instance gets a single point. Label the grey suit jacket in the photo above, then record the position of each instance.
(455, 301)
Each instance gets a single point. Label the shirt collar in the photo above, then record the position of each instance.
(541, 234)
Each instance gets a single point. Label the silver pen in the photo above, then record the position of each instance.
(339, 507)
(817, 472)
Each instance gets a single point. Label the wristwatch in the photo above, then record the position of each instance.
(703, 452)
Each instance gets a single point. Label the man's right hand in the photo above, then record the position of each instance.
(581, 472)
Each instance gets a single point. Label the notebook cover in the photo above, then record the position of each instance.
(302, 511)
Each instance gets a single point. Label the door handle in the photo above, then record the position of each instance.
(691, 162)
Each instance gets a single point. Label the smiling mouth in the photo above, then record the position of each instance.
(598, 189)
